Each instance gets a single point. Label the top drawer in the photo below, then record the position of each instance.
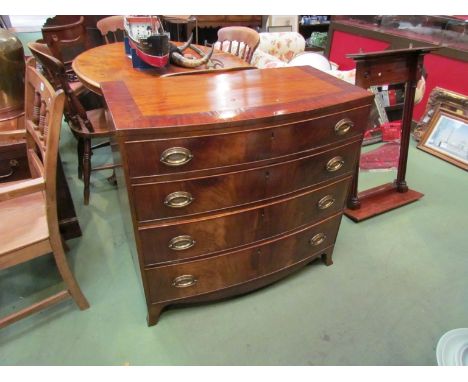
(176, 155)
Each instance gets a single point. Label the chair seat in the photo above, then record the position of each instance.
(24, 222)
(77, 87)
(97, 117)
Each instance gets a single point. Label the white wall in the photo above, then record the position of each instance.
(283, 20)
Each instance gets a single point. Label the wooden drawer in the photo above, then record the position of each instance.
(196, 238)
(177, 281)
(13, 162)
(205, 152)
(218, 192)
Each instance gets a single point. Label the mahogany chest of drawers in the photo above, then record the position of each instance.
(232, 181)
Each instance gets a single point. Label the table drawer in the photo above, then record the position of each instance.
(185, 240)
(182, 198)
(182, 280)
(167, 156)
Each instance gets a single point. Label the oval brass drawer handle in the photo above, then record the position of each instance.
(176, 156)
(179, 243)
(318, 239)
(343, 126)
(326, 202)
(178, 199)
(184, 281)
(335, 164)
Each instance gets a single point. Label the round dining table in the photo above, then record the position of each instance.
(110, 63)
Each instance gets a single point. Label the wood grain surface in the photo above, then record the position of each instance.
(246, 97)
(109, 63)
(263, 163)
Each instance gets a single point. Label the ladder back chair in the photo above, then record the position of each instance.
(240, 41)
(28, 208)
(86, 125)
(111, 28)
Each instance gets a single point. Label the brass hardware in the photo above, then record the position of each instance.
(343, 126)
(179, 243)
(317, 239)
(184, 281)
(13, 164)
(176, 156)
(335, 164)
(326, 202)
(178, 199)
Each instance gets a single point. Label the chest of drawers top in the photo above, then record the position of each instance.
(205, 102)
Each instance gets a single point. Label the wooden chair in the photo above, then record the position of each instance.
(28, 208)
(112, 28)
(76, 86)
(247, 37)
(85, 124)
(65, 39)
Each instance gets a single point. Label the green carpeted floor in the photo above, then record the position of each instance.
(398, 283)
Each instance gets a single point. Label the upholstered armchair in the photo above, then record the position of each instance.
(276, 49)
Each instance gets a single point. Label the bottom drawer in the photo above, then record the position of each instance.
(193, 278)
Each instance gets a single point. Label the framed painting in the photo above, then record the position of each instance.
(447, 137)
(440, 98)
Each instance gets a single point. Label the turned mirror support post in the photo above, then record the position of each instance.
(410, 92)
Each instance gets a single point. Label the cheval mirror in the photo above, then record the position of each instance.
(403, 67)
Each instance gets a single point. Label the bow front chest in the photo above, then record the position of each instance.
(231, 181)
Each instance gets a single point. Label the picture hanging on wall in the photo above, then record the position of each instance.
(440, 98)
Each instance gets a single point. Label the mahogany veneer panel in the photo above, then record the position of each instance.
(218, 233)
(211, 151)
(109, 63)
(381, 199)
(235, 189)
(219, 272)
(223, 99)
(264, 163)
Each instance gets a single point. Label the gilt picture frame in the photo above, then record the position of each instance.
(447, 137)
(440, 98)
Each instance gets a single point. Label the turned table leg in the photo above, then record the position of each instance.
(86, 170)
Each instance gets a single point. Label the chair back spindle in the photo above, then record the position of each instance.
(36, 108)
(247, 37)
(43, 129)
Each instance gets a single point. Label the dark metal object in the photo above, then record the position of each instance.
(11, 73)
